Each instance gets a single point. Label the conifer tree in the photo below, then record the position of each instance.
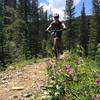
(24, 8)
(94, 37)
(2, 38)
(70, 23)
(84, 30)
(34, 35)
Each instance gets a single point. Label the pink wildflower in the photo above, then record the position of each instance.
(69, 69)
(57, 71)
(49, 63)
(96, 97)
(78, 62)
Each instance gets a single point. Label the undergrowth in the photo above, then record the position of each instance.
(73, 78)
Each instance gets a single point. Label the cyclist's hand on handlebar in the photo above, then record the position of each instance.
(57, 30)
(60, 30)
(46, 31)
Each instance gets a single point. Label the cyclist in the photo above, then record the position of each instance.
(58, 25)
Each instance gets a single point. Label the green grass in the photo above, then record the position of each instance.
(80, 84)
(19, 64)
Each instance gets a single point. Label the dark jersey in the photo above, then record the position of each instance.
(57, 26)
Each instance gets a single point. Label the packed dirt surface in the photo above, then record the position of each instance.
(22, 83)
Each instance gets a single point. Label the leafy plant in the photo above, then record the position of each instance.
(73, 78)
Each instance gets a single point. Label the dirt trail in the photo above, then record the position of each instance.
(22, 83)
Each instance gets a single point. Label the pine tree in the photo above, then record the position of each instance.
(2, 38)
(14, 36)
(84, 30)
(11, 34)
(94, 37)
(34, 35)
(10, 3)
(43, 22)
(7, 5)
(71, 36)
(24, 8)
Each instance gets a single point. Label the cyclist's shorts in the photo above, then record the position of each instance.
(58, 34)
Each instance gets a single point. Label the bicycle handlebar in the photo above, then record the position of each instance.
(55, 30)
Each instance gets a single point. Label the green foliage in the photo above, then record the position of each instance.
(73, 78)
(94, 37)
(97, 56)
(12, 37)
(84, 31)
(22, 31)
(70, 35)
(2, 36)
(79, 50)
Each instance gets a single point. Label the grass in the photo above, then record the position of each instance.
(73, 78)
(19, 64)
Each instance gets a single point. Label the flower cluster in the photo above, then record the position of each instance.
(69, 70)
(98, 82)
(50, 63)
(78, 62)
(96, 97)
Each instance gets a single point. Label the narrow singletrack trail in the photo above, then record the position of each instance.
(22, 83)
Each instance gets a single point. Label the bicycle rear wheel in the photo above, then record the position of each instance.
(56, 48)
(57, 53)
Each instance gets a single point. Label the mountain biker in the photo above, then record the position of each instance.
(58, 25)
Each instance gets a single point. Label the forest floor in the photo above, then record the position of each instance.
(23, 83)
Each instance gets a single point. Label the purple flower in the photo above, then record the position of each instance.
(98, 82)
(78, 62)
(96, 97)
(49, 64)
(57, 71)
(69, 69)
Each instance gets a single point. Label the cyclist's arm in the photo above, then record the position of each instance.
(63, 26)
(49, 28)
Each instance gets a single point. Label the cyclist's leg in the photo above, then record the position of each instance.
(60, 42)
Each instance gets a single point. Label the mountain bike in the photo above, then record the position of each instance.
(56, 42)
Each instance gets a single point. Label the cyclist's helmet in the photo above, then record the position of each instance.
(56, 15)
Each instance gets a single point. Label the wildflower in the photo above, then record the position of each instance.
(57, 71)
(69, 69)
(49, 63)
(78, 62)
(96, 97)
(98, 82)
